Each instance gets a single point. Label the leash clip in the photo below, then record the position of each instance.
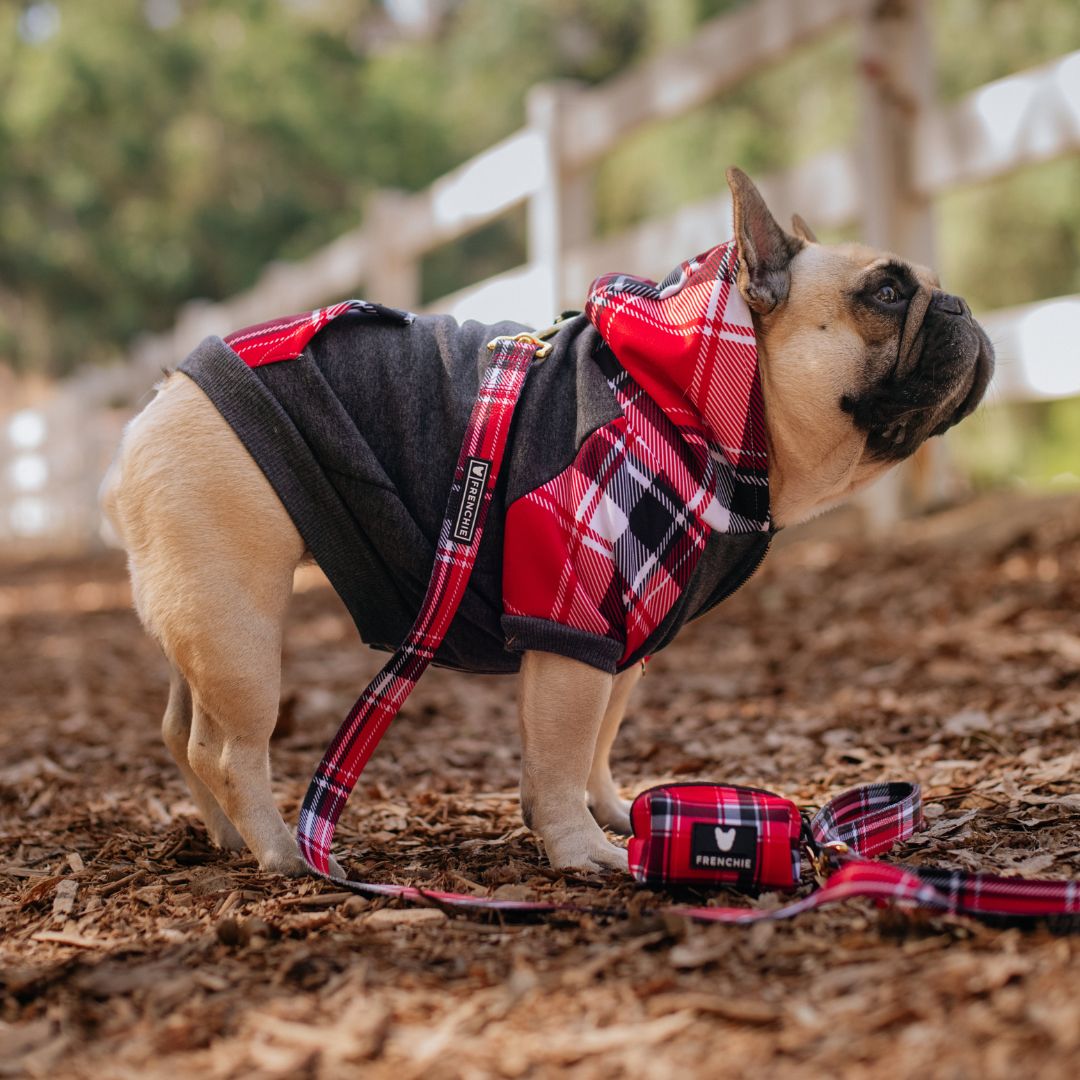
(821, 859)
(542, 347)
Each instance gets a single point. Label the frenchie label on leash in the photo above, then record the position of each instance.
(476, 474)
(673, 428)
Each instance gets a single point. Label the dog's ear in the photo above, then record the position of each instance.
(765, 250)
(802, 230)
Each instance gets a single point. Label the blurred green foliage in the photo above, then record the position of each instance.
(976, 41)
(1034, 215)
(1036, 443)
(152, 151)
(773, 119)
(141, 167)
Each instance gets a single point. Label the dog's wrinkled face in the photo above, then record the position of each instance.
(939, 370)
(863, 356)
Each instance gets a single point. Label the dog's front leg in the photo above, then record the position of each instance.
(561, 709)
(608, 807)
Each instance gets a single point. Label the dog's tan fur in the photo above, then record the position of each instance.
(806, 366)
(192, 508)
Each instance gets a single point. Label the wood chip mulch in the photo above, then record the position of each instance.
(948, 652)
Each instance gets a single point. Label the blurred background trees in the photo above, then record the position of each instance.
(153, 151)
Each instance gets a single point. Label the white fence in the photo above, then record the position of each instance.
(909, 150)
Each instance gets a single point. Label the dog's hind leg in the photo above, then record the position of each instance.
(562, 708)
(235, 709)
(176, 731)
(212, 553)
(608, 807)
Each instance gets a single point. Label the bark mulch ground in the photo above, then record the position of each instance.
(948, 653)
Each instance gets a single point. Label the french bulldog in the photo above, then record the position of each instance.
(860, 358)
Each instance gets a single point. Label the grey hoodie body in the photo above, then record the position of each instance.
(359, 437)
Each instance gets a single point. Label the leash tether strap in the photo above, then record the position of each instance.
(455, 554)
(867, 821)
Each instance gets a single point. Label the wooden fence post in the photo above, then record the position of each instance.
(560, 213)
(896, 82)
(393, 276)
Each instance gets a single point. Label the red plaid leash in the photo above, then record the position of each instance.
(847, 832)
(867, 821)
(459, 540)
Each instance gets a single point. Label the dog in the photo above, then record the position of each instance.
(857, 357)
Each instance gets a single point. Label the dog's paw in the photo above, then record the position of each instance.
(292, 864)
(286, 863)
(613, 814)
(223, 833)
(586, 852)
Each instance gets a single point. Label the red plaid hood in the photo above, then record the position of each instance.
(610, 545)
(689, 343)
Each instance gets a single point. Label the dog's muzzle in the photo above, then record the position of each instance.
(976, 354)
(944, 364)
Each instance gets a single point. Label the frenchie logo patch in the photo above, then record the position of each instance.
(476, 474)
(723, 847)
(725, 838)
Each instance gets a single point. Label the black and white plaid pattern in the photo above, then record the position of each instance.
(665, 819)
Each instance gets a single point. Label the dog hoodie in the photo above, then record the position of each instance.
(634, 491)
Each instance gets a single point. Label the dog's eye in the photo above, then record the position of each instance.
(888, 294)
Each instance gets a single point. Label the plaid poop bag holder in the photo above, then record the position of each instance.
(715, 836)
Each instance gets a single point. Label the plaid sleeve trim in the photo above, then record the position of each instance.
(287, 337)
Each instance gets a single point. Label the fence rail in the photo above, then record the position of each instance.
(910, 150)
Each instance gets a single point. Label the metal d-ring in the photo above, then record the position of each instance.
(542, 347)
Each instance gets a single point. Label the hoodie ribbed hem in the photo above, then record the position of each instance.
(526, 634)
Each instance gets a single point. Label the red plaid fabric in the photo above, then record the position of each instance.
(286, 338)
(608, 545)
(989, 895)
(478, 464)
(870, 819)
(710, 834)
(689, 343)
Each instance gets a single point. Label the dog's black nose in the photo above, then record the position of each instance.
(948, 304)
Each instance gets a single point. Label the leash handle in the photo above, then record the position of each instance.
(462, 527)
(868, 821)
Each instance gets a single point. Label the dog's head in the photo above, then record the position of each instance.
(863, 356)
